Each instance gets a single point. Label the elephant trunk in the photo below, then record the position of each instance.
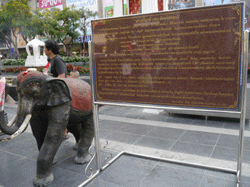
(20, 121)
(7, 128)
(11, 129)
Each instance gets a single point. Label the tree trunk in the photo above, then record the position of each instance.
(15, 45)
(68, 49)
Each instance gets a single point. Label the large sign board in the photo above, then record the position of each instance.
(188, 58)
(50, 3)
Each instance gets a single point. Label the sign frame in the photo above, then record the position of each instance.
(241, 112)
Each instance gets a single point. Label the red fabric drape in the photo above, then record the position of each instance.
(160, 5)
(134, 6)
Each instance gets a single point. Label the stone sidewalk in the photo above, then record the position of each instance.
(180, 137)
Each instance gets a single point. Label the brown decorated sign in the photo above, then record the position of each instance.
(188, 58)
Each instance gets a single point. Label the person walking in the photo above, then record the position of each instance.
(57, 65)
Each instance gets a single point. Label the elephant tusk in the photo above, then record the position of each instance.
(20, 130)
(12, 121)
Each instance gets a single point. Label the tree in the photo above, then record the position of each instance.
(33, 26)
(61, 25)
(85, 14)
(13, 16)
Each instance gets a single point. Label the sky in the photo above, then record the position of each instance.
(215, 2)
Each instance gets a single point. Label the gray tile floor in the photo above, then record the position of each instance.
(132, 129)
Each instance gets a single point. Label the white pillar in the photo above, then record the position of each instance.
(148, 6)
(100, 8)
(165, 4)
(118, 10)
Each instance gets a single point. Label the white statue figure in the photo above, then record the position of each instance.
(35, 60)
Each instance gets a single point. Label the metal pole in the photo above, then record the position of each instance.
(168, 160)
(202, 111)
(243, 108)
(95, 108)
(97, 137)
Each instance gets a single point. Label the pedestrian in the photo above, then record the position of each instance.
(57, 65)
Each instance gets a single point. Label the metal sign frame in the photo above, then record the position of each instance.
(242, 113)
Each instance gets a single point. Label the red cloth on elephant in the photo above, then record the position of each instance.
(24, 75)
(81, 94)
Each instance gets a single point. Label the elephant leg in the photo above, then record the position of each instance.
(57, 121)
(39, 125)
(86, 138)
(75, 129)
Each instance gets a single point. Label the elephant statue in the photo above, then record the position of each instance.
(3, 115)
(51, 105)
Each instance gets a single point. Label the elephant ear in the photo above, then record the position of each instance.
(59, 92)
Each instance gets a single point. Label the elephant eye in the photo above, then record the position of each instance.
(39, 84)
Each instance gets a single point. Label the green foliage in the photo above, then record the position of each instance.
(24, 56)
(17, 17)
(85, 14)
(16, 62)
(75, 59)
(62, 53)
(13, 62)
(33, 26)
(13, 17)
(60, 25)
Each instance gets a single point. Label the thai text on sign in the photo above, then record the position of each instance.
(188, 58)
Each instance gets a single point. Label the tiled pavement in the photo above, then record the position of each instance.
(180, 137)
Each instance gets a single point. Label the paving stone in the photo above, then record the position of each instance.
(231, 141)
(171, 177)
(183, 167)
(167, 133)
(19, 155)
(211, 181)
(25, 145)
(111, 125)
(104, 133)
(209, 123)
(15, 170)
(128, 170)
(157, 143)
(225, 153)
(192, 148)
(200, 137)
(62, 178)
(101, 183)
(123, 137)
(136, 129)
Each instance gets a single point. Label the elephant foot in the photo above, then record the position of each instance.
(82, 160)
(44, 181)
(76, 146)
